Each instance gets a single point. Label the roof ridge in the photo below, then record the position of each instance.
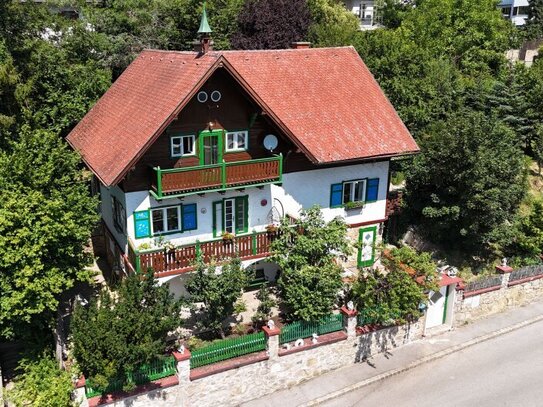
(219, 52)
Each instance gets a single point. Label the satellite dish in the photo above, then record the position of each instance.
(270, 142)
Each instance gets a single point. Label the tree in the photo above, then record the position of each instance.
(219, 291)
(395, 294)
(46, 218)
(468, 182)
(265, 305)
(307, 256)
(534, 22)
(529, 237)
(120, 331)
(41, 383)
(332, 24)
(271, 24)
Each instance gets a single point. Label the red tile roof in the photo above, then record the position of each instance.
(325, 99)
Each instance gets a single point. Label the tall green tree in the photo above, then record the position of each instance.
(307, 257)
(119, 331)
(218, 291)
(468, 182)
(332, 24)
(46, 218)
(534, 22)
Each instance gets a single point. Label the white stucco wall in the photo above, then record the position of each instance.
(307, 188)
(107, 211)
(300, 190)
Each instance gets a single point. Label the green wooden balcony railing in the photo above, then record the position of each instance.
(175, 182)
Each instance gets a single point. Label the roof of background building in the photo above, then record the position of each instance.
(324, 99)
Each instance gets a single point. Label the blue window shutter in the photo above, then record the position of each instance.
(189, 217)
(372, 189)
(142, 226)
(336, 195)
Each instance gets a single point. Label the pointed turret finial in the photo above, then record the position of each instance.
(204, 25)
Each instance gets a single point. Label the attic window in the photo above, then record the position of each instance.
(216, 96)
(182, 146)
(236, 140)
(202, 97)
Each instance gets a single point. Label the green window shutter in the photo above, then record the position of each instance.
(366, 251)
(372, 190)
(142, 226)
(242, 214)
(217, 218)
(189, 217)
(336, 191)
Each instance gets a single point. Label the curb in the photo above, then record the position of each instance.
(422, 361)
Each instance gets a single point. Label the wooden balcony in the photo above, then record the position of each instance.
(217, 177)
(181, 259)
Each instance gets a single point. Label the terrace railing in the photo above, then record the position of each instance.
(183, 257)
(526, 272)
(216, 177)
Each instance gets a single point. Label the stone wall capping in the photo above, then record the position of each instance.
(215, 368)
(504, 269)
(325, 339)
(179, 357)
(271, 331)
(80, 382)
(350, 313)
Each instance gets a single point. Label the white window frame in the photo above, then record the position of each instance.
(165, 220)
(235, 135)
(352, 192)
(180, 143)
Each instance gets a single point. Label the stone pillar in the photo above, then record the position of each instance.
(79, 393)
(272, 341)
(183, 365)
(349, 321)
(505, 271)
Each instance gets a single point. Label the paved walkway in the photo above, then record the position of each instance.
(352, 377)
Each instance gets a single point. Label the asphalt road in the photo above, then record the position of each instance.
(504, 371)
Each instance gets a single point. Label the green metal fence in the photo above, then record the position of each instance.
(302, 329)
(228, 349)
(368, 316)
(153, 371)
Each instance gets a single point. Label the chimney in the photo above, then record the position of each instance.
(300, 45)
(205, 43)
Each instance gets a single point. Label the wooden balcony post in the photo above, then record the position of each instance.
(254, 242)
(280, 166)
(159, 181)
(198, 250)
(223, 174)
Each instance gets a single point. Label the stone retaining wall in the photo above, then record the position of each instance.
(238, 385)
(469, 307)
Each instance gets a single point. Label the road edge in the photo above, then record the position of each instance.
(422, 361)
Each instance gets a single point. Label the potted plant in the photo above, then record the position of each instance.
(353, 205)
(227, 237)
(272, 228)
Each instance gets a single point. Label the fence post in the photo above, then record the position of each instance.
(272, 341)
(79, 392)
(183, 365)
(349, 321)
(505, 271)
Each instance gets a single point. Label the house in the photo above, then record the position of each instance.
(190, 149)
(515, 10)
(367, 12)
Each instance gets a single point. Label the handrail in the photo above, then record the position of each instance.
(214, 183)
(211, 166)
(159, 249)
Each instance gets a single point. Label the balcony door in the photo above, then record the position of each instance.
(211, 147)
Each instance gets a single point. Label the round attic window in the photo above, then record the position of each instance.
(216, 96)
(202, 97)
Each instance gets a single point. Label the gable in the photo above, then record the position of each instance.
(324, 100)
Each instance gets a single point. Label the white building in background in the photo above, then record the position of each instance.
(515, 10)
(366, 11)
